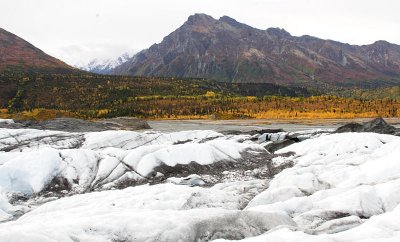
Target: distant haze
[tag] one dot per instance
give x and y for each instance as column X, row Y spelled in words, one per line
column 77, row 31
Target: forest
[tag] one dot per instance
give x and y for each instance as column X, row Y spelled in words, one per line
column 85, row 95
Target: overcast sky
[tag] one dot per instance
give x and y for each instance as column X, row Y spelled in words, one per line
column 77, row 31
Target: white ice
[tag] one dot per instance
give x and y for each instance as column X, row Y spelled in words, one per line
column 32, row 159
column 342, row 187
column 338, row 182
column 6, row 121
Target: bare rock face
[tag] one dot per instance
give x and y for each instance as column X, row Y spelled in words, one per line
column 377, row 125
column 226, row 50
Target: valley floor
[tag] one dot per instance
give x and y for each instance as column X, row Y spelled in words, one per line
column 199, row 185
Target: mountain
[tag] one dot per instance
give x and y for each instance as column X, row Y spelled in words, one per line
column 226, row 50
column 18, row 53
column 104, row 66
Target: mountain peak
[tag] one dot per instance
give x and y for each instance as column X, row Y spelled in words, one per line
column 278, row 32
column 382, row 43
column 200, row 18
column 231, row 21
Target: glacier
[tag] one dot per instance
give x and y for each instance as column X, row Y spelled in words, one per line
column 198, row 185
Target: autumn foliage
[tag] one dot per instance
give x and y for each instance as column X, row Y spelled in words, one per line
column 87, row 95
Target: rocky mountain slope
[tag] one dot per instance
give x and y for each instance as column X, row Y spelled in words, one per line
column 226, row 50
column 17, row 53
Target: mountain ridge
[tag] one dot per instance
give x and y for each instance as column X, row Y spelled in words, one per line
column 17, row 53
column 226, row 50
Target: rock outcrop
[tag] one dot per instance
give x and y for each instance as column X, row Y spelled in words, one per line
column 378, row 125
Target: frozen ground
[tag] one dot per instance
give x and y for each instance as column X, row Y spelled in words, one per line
column 198, row 186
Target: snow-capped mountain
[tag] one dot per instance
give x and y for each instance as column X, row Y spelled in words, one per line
column 104, row 66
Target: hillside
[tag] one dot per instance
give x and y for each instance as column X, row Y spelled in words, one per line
column 19, row 54
column 228, row 51
column 23, row 91
column 46, row 95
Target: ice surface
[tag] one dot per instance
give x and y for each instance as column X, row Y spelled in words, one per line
column 338, row 181
column 51, row 163
column 6, row 121
column 104, row 156
column 68, row 187
column 33, row 139
column 164, row 212
column 379, row 228
column 30, row 172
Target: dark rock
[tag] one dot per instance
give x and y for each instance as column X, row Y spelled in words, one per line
column 127, row 123
column 268, row 131
column 57, row 187
column 233, row 132
column 248, row 161
column 272, row 147
column 350, row 127
column 182, row 142
column 252, row 132
column 377, row 125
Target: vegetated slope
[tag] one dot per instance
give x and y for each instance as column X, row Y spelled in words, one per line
column 98, row 96
column 19, row 54
column 22, row 91
column 229, row 51
column 380, row 93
